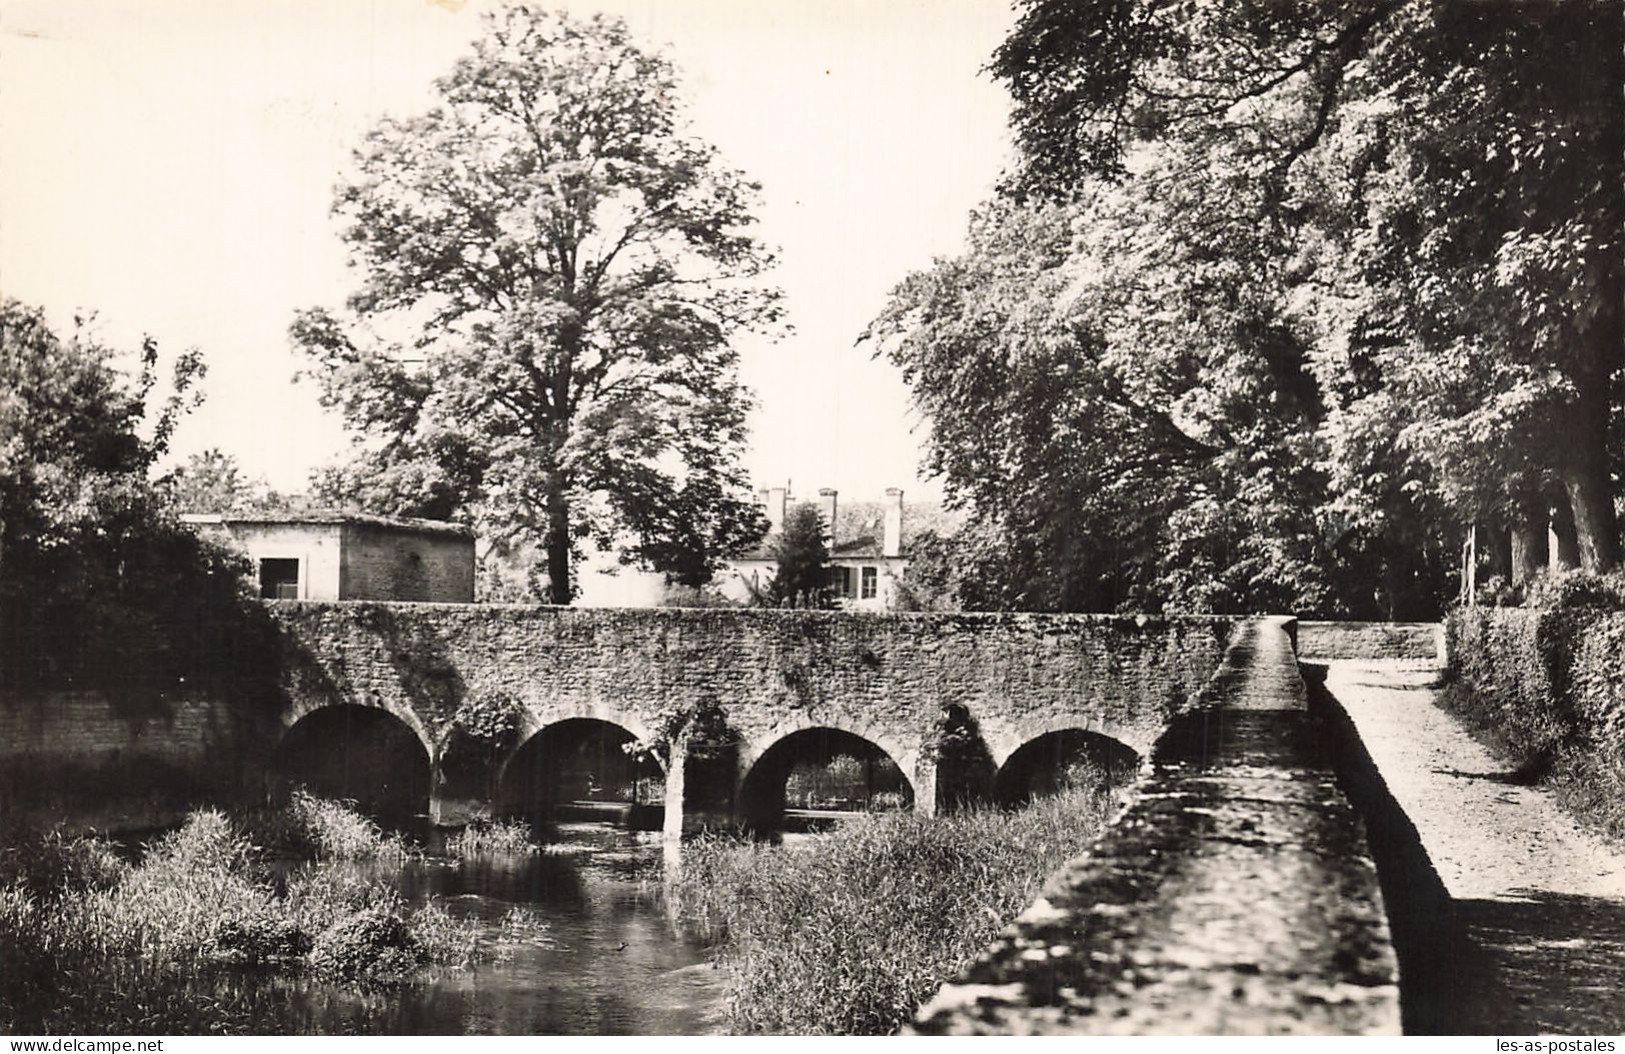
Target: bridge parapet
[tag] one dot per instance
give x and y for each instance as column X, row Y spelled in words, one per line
column 886, row 678
column 1235, row 895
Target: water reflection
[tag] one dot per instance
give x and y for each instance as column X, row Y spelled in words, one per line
column 609, row 961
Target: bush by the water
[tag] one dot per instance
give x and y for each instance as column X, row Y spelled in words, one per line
column 312, row 828
column 485, row 837
column 849, row 932
column 89, row 943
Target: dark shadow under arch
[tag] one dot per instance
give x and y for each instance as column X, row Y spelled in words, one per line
column 360, row 754
column 1064, row 758
column 821, row 770
column 579, row 761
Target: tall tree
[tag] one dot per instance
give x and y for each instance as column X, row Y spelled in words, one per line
column 1094, row 412
column 1444, row 175
column 553, row 272
column 99, row 582
column 801, row 550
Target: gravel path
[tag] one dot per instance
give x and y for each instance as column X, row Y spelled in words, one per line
column 1507, row 917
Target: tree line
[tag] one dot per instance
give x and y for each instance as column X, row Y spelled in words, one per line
column 1277, row 300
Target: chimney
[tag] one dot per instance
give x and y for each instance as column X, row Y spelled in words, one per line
column 826, row 509
column 775, row 498
column 893, row 536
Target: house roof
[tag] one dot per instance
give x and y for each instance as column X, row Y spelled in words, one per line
column 860, row 529
column 328, row 517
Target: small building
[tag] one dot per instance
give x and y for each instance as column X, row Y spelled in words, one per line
column 869, row 546
column 351, row 556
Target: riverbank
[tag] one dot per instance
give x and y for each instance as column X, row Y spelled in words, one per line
column 93, row 942
column 849, row 931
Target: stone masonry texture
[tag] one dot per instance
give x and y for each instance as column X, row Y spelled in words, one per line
column 1234, row 896
column 1331, row 641
column 883, row 677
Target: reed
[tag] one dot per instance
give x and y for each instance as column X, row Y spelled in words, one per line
column 847, row 933
column 89, row 943
column 491, row 838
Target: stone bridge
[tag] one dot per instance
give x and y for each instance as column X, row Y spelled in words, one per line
column 932, row 691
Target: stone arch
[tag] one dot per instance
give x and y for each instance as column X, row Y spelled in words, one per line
column 1005, row 741
column 374, row 756
column 904, row 750
column 768, row 765
column 1041, row 764
column 304, row 707
column 578, row 755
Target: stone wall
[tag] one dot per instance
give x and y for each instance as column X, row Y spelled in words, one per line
column 94, row 760
column 885, row 678
column 1235, row 895
column 1335, row 641
column 401, row 564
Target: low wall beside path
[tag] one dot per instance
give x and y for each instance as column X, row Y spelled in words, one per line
column 1357, row 641
column 1235, row 894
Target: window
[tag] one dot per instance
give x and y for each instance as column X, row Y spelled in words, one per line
column 279, row 579
column 871, row 582
column 840, row 581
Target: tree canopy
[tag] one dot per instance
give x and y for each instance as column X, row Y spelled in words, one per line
column 99, row 581
column 1277, row 297
column 801, row 578
column 553, row 272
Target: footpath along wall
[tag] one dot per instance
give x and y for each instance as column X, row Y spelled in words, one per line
column 1235, row 895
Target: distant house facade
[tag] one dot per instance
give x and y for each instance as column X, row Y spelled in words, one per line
column 351, row 556
column 869, row 547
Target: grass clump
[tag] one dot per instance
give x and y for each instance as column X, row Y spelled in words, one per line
column 485, row 837
column 312, row 828
column 849, row 932
column 89, row 943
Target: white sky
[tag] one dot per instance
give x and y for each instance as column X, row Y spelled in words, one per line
column 170, row 163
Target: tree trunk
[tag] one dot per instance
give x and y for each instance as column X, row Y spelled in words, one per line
column 558, row 545
column 1568, row 545
column 1529, row 547
column 1594, row 524
column 1585, row 469
column 1498, row 547
column 1598, row 340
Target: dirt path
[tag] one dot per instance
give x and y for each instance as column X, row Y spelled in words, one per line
column 1507, row 917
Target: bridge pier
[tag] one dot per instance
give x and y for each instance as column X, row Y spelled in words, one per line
column 676, row 772
column 924, row 779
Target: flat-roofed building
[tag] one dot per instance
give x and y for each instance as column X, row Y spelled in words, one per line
column 351, row 556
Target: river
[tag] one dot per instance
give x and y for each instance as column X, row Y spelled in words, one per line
column 607, row 961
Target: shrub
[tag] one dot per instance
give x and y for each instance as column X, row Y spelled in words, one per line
column 849, row 932
column 88, row 943
column 1571, row 589
column 1545, row 688
column 490, row 837
column 312, row 828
